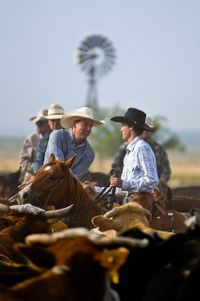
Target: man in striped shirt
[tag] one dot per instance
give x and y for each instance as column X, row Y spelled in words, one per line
column 139, row 175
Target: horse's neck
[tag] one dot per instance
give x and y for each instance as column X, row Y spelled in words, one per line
column 73, row 190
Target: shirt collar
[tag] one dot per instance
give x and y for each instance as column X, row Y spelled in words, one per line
column 132, row 144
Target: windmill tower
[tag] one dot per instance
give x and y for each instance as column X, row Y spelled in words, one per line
column 96, row 56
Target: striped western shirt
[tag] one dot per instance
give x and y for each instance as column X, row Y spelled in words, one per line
column 139, row 171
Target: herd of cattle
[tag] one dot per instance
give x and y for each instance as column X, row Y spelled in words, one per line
column 120, row 257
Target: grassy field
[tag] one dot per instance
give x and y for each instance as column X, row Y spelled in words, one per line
column 185, row 165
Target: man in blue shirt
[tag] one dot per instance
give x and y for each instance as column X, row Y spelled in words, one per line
column 65, row 143
column 55, row 113
column 139, row 175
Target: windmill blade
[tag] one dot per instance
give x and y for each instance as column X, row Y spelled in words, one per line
column 96, row 52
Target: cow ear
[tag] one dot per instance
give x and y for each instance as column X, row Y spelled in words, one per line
column 70, row 161
column 38, row 256
column 51, row 158
column 112, row 260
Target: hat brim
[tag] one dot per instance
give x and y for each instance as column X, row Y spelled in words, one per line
column 32, row 118
column 150, row 129
column 68, row 120
column 54, row 116
column 36, row 119
column 123, row 119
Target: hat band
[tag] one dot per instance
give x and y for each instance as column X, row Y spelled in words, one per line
column 55, row 114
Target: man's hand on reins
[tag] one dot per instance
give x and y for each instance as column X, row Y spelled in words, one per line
column 115, row 182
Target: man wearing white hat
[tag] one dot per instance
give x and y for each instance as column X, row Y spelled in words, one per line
column 55, row 113
column 72, row 140
column 27, row 154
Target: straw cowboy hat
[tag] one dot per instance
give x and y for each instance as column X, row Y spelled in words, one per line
column 133, row 116
column 80, row 113
column 150, row 123
column 55, row 111
column 41, row 115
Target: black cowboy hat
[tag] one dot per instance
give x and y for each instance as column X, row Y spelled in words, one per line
column 133, row 117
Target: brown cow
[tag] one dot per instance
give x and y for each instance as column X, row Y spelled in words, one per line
column 9, row 184
column 23, row 225
column 77, row 268
column 20, row 221
column 125, row 217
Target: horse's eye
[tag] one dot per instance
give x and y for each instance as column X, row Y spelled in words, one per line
column 52, row 177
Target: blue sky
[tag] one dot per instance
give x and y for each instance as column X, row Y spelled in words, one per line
column 157, row 67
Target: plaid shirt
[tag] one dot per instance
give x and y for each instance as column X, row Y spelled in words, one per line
column 140, row 171
column 162, row 161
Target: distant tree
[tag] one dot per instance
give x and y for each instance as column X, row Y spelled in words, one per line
column 106, row 139
column 165, row 136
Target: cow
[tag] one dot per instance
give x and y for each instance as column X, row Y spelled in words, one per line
column 75, row 267
column 164, row 269
column 21, row 220
column 125, row 217
column 9, row 183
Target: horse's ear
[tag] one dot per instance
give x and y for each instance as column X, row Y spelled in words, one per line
column 51, row 158
column 70, row 161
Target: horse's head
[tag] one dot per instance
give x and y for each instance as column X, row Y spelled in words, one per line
column 48, row 184
column 55, row 185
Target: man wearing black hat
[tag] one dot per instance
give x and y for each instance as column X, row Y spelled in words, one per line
column 139, row 175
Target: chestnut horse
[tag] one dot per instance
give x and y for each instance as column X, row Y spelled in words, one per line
column 55, row 185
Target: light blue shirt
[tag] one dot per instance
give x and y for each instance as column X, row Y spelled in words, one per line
column 139, row 171
column 63, row 145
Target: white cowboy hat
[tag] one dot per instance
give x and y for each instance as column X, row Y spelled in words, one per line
column 41, row 115
column 84, row 112
column 55, row 111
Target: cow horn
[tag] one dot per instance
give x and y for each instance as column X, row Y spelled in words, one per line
column 57, row 213
column 27, row 209
column 13, row 199
column 53, row 237
column 95, row 238
column 126, row 242
column 39, row 238
column 30, row 209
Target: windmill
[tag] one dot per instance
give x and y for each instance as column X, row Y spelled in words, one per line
column 96, row 56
